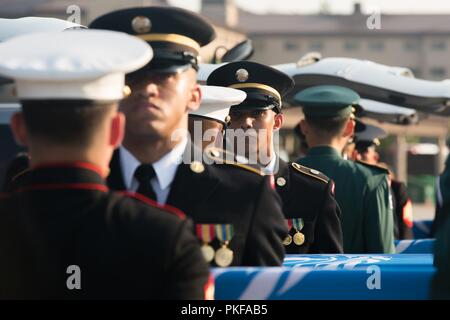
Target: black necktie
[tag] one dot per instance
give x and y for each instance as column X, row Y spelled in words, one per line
column 143, row 174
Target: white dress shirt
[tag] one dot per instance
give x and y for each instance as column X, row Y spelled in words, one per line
column 165, row 169
column 270, row 168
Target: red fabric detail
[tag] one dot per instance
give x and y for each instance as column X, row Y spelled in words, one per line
column 153, row 203
column 72, row 186
column 209, row 288
column 289, row 224
column 272, row 181
column 407, row 214
column 198, row 229
column 77, row 164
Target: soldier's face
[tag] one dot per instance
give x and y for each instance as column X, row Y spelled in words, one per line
column 370, row 156
column 159, row 103
column 263, row 122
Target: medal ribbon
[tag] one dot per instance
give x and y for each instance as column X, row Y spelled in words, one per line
column 298, row 223
column 205, row 232
column 224, row 232
column 289, row 223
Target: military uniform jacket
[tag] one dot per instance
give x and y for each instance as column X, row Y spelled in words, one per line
column 308, row 194
column 440, row 285
column 228, row 194
column 402, row 203
column 125, row 248
column 363, row 194
column 442, row 198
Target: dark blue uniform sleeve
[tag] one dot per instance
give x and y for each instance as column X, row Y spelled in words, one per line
column 267, row 231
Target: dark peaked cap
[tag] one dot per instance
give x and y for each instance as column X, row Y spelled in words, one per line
column 264, row 85
column 175, row 34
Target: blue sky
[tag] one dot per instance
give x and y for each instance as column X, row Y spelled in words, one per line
column 336, row 6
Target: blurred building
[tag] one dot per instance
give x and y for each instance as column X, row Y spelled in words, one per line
column 419, row 42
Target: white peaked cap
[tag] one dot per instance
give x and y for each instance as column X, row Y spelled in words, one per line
column 216, row 102
column 75, row 64
column 15, row 27
column 205, row 69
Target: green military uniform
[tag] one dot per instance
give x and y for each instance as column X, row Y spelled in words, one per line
column 362, row 190
column 442, row 196
column 440, row 288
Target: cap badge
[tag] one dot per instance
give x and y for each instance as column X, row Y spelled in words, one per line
column 241, row 75
column 141, row 24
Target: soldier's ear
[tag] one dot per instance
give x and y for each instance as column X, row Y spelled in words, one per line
column 304, row 127
column 279, row 120
column 19, row 129
column 195, row 98
column 349, row 129
column 117, row 129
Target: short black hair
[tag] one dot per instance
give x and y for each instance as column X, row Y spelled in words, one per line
column 327, row 126
column 65, row 121
column 363, row 146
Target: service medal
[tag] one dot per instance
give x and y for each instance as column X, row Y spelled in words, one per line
column 299, row 238
column 208, row 252
column 288, row 240
column 205, row 232
column 224, row 257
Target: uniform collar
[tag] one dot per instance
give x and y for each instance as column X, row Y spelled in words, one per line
column 70, row 175
column 165, row 168
column 270, row 168
column 323, row 151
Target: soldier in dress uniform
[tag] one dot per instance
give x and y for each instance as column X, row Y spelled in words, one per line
column 310, row 209
column 362, row 190
column 12, row 163
column 208, row 123
column 77, row 238
column 236, row 211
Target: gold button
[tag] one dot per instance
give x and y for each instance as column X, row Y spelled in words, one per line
column 197, row 167
column 126, row 91
column 281, row 181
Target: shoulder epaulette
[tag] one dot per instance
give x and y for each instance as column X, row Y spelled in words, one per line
column 373, row 166
column 221, row 156
column 310, row 172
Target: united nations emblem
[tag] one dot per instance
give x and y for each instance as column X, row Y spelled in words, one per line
column 141, row 24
